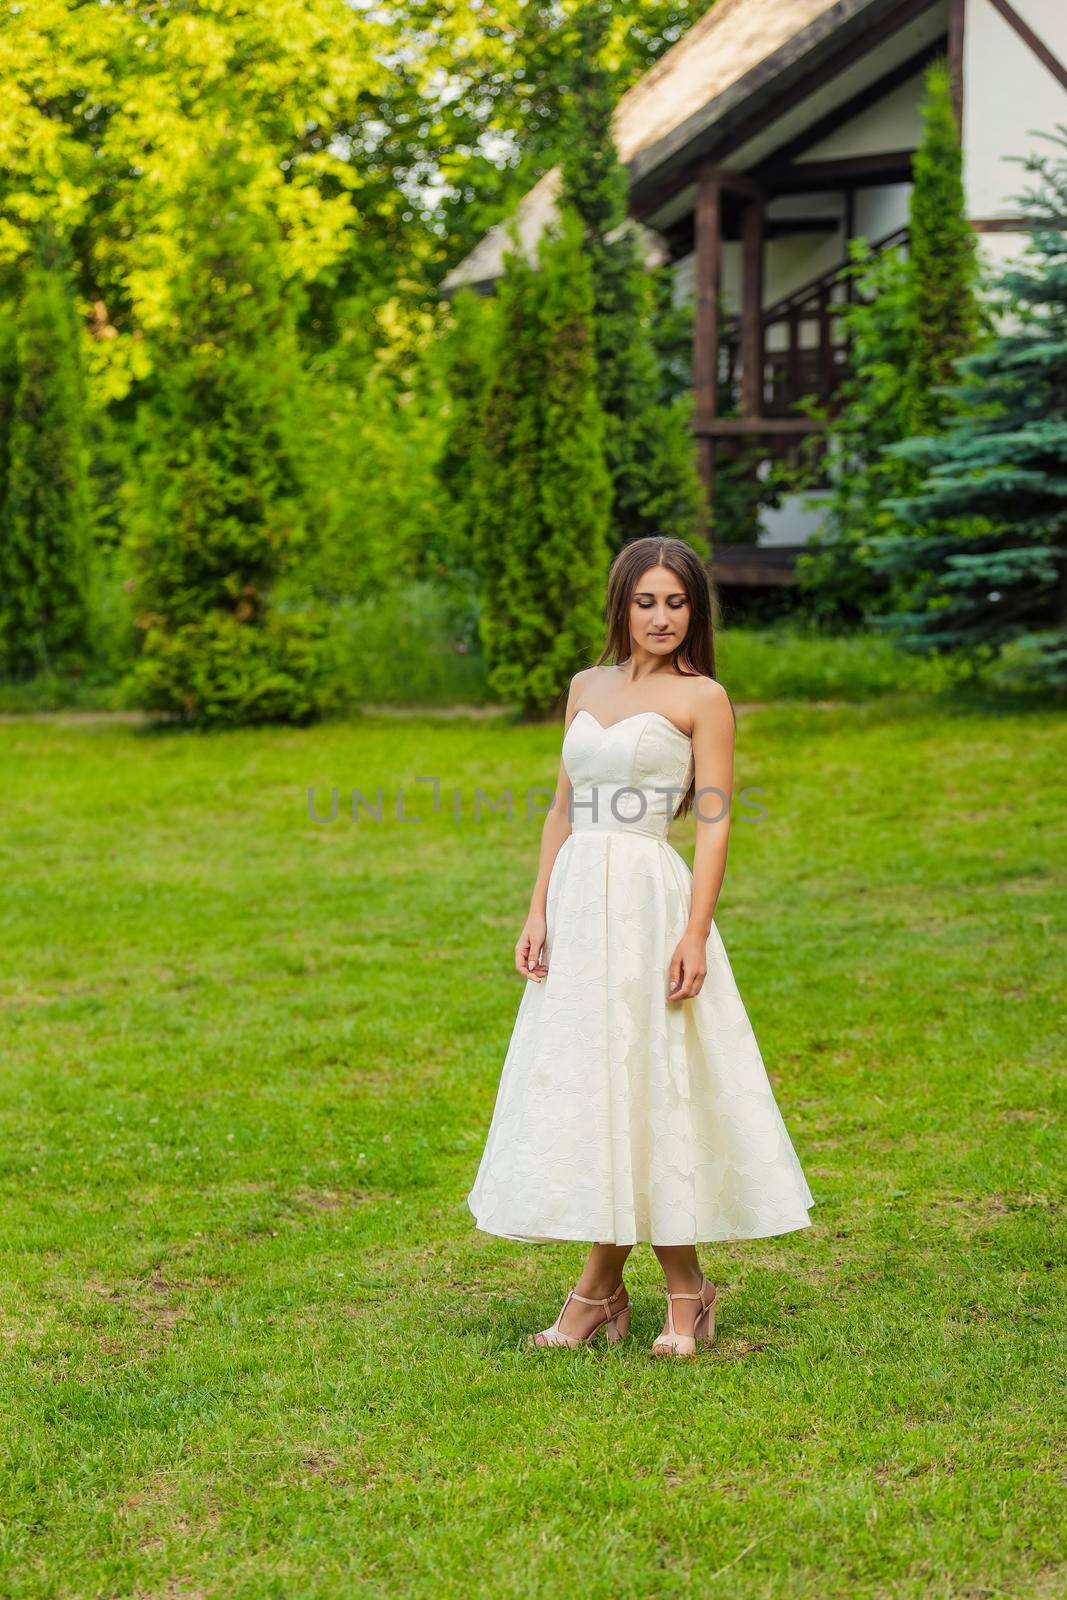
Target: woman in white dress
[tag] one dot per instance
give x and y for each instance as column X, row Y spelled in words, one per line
column 633, row 1102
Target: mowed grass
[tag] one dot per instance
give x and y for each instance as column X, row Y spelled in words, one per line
column 254, row 1346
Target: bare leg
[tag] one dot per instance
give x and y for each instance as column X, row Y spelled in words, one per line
column 600, row 1277
column 684, row 1276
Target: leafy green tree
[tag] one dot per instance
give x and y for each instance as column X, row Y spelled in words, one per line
column 46, row 516
column 505, row 89
column 110, row 106
column 648, row 443
column 985, row 567
column 543, row 492
column 387, row 140
column 220, row 505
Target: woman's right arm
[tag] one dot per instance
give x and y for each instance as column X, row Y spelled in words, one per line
column 556, row 827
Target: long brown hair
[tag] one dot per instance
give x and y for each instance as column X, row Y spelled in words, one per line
column 695, row 656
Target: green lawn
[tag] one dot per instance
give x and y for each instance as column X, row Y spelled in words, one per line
column 253, row 1345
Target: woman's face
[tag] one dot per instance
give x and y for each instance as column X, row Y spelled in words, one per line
column 659, row 612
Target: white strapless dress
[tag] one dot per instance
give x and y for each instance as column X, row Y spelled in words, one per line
column 622, row 1116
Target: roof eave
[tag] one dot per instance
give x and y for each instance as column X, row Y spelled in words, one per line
column 723, row 125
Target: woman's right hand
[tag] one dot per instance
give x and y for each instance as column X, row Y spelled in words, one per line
column 530, row 948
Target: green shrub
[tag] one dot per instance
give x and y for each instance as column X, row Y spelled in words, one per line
column 798, row 661
column 221, row 672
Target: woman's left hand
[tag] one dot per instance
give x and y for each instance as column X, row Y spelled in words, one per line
column 689, row 965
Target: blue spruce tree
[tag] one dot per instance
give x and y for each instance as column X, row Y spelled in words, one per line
column 987, row 564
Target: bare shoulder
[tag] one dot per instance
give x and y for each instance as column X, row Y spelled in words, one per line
column 581, row 681
column 710, row 705
column 585, row 675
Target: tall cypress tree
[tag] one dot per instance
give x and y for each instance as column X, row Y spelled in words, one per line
column 461, row 363
column 834, row 570
column 648, row 443
column 943, row 264
column 986, row 565
column 45, row 524
column 9, row 382
column 542, row 495
column 220, row 505
column 912, row 318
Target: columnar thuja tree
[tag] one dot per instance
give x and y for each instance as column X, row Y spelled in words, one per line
column 914, row 315
column 458, row 365
column 543, row 496
column 220, row 502
column 985, row 566
column 943, row 322
column 45, row 516
column 875, row 407
column 648, row 444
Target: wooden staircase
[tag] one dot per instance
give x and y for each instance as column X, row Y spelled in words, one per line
column 805, row 353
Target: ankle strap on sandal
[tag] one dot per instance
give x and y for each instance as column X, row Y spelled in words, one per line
column 707, row 1284
column 584, row 1298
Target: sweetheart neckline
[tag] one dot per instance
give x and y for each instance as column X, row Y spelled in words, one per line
column 607, row 727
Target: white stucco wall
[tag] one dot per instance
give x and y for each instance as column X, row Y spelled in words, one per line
column 893, row 124
column 1008, row 97
column 793, row 522
column 881, row 211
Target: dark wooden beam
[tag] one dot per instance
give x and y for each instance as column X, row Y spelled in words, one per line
column 956, row 9
column 752, row 309
column 811, row 177
column 857, row 103
column 737, row 185
column 708, row 287
column 740, row 427
column 1029, row 37
column 733, row 182
column 784, row 227
column 754, row 565
column 1000, row 224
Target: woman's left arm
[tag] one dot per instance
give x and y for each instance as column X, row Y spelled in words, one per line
column 713, row 761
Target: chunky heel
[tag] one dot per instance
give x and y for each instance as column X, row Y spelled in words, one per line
column 615, row 1323
column 619, row 1326
column 706, row 1334
column 674, row 1343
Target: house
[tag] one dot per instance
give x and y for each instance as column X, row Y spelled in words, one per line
column 760, row 144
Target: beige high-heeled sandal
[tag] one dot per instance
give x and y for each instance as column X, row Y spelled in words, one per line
column 614, row 1324
column 685, row 1344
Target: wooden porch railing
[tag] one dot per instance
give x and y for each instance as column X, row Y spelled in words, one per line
column 804, row 349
